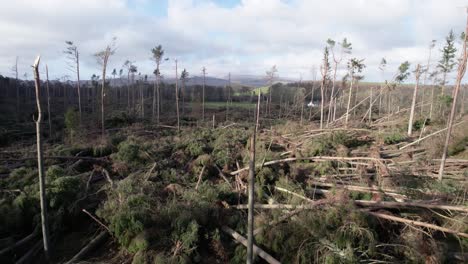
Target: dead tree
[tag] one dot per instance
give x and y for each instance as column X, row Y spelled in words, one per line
column 271, row 74
column 177, row 96
column 413, row 104
column 15, row 71
column 74, row 57
column 49, row 117
column 461, row 73
column 203, row 93
column 312, row 88
column 324, row 69
column 346, row 49
column 251, row 189
column 228, row 101
column 40, row 162
column 102, row 59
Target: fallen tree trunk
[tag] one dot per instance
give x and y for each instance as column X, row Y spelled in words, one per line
column 26, row 258
column 316, row 158
column 396, row 205
column 430, row 135
column 417, row 223
column 90, row 247
column 60, row 158
column 256, row 250
column 21, row 242
column 411, row 204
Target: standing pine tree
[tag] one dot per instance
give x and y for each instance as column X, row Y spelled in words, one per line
column 447, row 62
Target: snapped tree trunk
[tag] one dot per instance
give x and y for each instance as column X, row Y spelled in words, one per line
column 177, row 98
column 349, row 101
column 40, row 163
column 78, row 83
column 461, row 73
column 413, row 104
column 251, row 190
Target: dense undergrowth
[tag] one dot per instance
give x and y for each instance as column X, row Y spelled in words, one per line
column 159, row 211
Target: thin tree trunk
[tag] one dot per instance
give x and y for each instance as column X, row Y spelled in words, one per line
column 49, row 117
column 322, row 94
column 251, row 190
column 177, row 97
column 153, row 112
column 78, row 84
column 370, row 106
column 128, row 90
column 330, row 105
column 203, row 95
column 17, row 90
column 349, row 101
column 461, row 73
column 413, row 104
column 158, row 106
column 40, row 164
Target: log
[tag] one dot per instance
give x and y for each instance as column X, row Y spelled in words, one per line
column 317, row 191
column 397, row 205
column 26, row 258
column 430, row 135
column 417, row 223
column 388, row 192
column 316, row 158
column 256, row 250
column 60, row 158
column 89, row 248
column 21, row 242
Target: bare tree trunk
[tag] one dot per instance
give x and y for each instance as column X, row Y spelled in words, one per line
column 322, row 94
column 15, row 69
column 153, row 112
column 203, row 94
column 158, row 106
column 78, row 83
column 349, row 101
column 40, row 163
column 370, row 106
column 461, row 73
column 142, row 99
column 49, row 117
column 330, row 105
column 413, row 104
column 251, row 190
column 128, row 90
column 177, row 97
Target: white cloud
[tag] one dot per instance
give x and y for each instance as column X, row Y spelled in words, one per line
column 247, row 38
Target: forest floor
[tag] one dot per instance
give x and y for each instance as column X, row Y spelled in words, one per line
column 148, row 194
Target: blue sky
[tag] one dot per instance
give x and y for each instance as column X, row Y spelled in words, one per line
column 237, row 36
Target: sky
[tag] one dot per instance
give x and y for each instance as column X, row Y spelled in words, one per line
column 244, row 37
